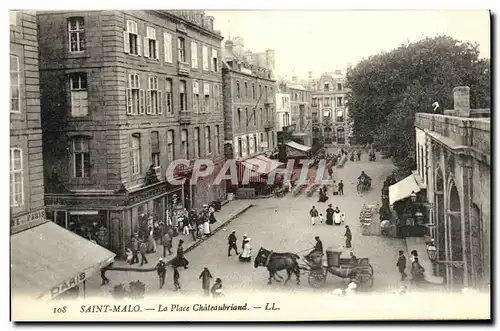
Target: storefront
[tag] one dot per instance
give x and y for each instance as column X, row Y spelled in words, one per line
column 49, row 262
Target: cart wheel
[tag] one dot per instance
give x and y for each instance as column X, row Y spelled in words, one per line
column 317, row 279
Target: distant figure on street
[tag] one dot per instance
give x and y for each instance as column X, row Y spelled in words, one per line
column 206, row 227
column 246, row 255
column 417, row 272
column 314, row 215
column 143, row 248
column 243, row 241
column 217, row 288
column 341, row 188
column 321, row 219
column 401, row 264
column 177, row 285
column 335, row 188
column 359, row 155
column 192, row 229
column 161, row 269
column 166, row 241
column 180, row 260
column 348, row 237
column 336, row 216
column 205, row 277
column 135, row 248
column 231, row 241
column 329, row 215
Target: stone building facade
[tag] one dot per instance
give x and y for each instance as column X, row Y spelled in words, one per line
column 300, row 99
column 26, row 158
column 329, row 110
column 454, row 159
column 124, row 94
column 249, row 107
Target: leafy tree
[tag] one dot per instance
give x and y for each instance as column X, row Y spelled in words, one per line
column 389, row 88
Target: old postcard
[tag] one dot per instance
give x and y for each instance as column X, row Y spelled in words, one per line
column 188, row 165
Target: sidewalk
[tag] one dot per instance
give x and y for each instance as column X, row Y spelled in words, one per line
column 418, row 244
column 228, row 212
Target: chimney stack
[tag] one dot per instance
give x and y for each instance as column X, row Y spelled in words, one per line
column 461, row 101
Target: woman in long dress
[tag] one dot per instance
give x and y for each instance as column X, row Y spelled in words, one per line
column 337, row 216
column 206, row 227
column 246, row 255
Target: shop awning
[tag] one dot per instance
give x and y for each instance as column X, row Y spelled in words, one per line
column 47, row 260
column 402, row 189
column 253, row 170
column 297, row 146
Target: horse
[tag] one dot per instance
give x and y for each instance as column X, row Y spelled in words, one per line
column 278, row 261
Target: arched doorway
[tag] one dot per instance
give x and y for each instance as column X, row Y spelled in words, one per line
column 440, row 233
column 455, row 239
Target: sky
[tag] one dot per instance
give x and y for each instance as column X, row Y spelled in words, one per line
column 327, row 40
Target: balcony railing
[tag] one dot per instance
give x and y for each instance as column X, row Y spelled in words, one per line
column 183, row 69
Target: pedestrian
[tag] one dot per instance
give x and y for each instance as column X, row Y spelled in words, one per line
column 243, row 241
column 321, row 219
column 185, row 229
column 314, row 215
column 217, row 288
column 200, row 229
column 336, row 216
column 206, row 227
column 348, row 237
column 211, row 215
column 177, row 285
column 143, row 248
column 166, row 241
column 246, row 255
column 341, row 188
column 335, row 188
column 180, row 260
column 205, row 280
column 192, row 229
column 161, row 269
column 401, row 264
column 329, row 215
column 417, row 272
column 232, row 243
column 151, row 240
column 129, row 256
column 135, row 248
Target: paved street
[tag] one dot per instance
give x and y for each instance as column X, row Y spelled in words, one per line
column 283, row 225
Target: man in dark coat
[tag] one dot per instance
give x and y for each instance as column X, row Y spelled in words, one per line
column 318, row 248
column 143, row 248
column 329, row 215
column 205, row 280
column 180, row 259
column 135, row 248
column 232, row 243
column 348, row 237
column 243, row 242
column 401, row 264
column 341, row 188
column 161, row 269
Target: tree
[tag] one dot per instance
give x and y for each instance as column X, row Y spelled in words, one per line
column 389, row 88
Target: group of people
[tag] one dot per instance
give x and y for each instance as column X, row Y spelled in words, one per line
column 337, row 189
column 417, row 271
column 246, row 248
column 333, row 216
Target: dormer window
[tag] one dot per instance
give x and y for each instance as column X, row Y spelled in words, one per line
column 327, row 86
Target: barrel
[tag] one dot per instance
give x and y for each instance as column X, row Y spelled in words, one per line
column 332, row 257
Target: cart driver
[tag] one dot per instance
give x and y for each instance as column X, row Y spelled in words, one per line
column 364, row 177
column 317, row 250
column 353, row 259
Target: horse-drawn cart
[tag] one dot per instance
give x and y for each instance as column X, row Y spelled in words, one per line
column 358, row 270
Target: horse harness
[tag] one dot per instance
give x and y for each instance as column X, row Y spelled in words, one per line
column 268, row 258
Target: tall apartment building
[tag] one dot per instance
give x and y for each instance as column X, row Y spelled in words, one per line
column 42, row 253
column 124, row 94
column 283, row 108
column 249, row 107
column 329, row 110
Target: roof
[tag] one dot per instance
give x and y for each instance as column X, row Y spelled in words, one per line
column 47, row 260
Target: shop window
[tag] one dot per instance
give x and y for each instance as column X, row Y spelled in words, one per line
column 90, row 224
column 16, row 177
column 135, row 153
column 81, row 157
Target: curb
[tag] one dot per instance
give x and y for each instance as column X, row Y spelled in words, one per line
column 196, row 244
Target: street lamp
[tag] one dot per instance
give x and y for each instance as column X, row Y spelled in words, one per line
column 413, row 196
column 419, row 217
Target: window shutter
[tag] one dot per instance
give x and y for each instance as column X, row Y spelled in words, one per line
column 129, row 101
column 206, row 88
column 139, row 45
column 194, row 55
column 148, row 102
column 167, row 47
column 141, row 102
column 214, row 56
column 160, row 103
column 205, row 57
column 126, row 42
column 146, row 47
column 157, row 49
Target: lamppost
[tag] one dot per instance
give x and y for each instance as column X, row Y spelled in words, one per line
column 413, row 196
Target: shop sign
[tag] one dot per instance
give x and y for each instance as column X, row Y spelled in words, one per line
column 143, row 195
column 67, row 284
column 33, row 217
